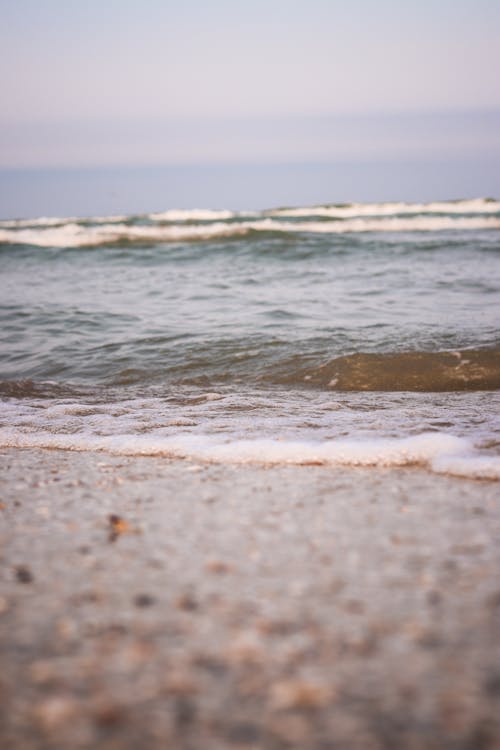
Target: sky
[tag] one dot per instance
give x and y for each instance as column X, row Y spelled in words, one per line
column 123, row 82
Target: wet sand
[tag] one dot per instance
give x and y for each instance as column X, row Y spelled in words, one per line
column 148, row 603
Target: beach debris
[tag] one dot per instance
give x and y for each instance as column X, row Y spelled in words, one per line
column 23, row 574
column 118, row 526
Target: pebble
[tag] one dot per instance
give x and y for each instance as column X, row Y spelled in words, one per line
column 217, row 566
column 144, row 600
column 23, row 574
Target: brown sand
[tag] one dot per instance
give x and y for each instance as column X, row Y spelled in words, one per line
column 148, row 603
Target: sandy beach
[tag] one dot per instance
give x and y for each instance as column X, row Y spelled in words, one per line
column 154, row 603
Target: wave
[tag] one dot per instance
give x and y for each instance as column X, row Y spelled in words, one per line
column 351, row 210
column 467, row 370
column 198, row 214
column 439, row 452
column 76, row 235
column 27, row 388
column 475, row 206
column 55, row 221
column 73, row 234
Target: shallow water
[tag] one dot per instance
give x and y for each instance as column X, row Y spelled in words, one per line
column 361, row 333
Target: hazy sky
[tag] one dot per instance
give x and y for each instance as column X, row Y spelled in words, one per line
column 106, row 81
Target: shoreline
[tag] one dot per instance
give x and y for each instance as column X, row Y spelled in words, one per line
column 166, row 603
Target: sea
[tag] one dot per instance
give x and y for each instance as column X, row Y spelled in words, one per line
column 359, row 334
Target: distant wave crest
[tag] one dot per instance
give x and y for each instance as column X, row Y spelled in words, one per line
column 205, row 224
column 191, row 225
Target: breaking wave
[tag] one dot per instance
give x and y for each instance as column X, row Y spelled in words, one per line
column 188, row 225
column 475, row 206
column 77, row 235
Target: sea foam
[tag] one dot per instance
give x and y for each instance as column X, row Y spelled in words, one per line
column 351, row 210
column 438, row 452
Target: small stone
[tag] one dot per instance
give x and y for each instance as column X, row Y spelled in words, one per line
column 492, row 684
column 23, row 574
column 217, row 566
column 429, row 638
column 244, row 733
column 181, row 682
column 144, row 600
column 109, row 715
column 118, row 526
column 275, row 627
column 184, row 712
column 186, row 602
column 434, row 597
column 354, row 607
column 493, row 601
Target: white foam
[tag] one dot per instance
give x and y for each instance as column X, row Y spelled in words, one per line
column 478, row 206
column 194, row 214
column 394, row 224
column 475, row 206
column 77, row 235
column 42, row 221
column 55, row 221
column 106, row 219
column 469, row 466
column 441, row 453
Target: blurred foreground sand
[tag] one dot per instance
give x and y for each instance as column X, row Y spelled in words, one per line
column 148, row 603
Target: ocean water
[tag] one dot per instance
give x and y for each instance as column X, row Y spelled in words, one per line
column 356, row 334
